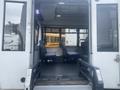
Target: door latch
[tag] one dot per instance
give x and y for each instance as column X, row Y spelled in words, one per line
column 117, row 59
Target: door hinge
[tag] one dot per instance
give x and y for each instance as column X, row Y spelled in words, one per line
column 117, row 59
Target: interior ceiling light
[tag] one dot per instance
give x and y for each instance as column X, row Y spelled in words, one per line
column 37, row 11
column 58, row 15
column 61, row 3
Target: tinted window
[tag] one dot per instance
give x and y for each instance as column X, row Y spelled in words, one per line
column 14, row 27
column 107, row 28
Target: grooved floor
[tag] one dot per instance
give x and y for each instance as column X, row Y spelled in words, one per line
column 61, row 74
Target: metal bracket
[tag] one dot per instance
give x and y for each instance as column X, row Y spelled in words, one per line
column 117, row 59
column 118, row 84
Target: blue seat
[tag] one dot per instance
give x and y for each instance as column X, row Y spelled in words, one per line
column 69, row 53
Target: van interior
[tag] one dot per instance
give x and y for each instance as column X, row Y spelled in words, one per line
column 61, row 38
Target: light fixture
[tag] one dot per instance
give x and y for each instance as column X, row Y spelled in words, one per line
column 61, row 3
column 58, row 15
column 37, row 11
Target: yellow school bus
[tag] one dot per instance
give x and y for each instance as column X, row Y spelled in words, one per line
column 53, row 40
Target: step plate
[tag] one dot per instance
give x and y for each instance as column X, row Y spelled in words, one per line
column 63, row 87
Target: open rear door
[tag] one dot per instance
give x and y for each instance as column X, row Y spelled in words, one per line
column 15, row 31
column 105, row 41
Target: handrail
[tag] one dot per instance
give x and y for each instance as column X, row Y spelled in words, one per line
column 35, row 75
column 92, row 74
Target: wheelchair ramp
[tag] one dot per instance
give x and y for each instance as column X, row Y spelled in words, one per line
column 63, row 87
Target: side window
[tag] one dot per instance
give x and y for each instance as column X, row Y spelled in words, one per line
column 107, row 27
column 70, row 37
column 83, row 36
column 14, row 32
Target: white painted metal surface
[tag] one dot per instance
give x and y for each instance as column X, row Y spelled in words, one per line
column 64, row 87
column 14, row 64
column 119, row 37
column 104, row 60
column 28, row 79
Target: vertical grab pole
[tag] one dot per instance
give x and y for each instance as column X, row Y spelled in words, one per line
column 78, row 37
column 60, row 33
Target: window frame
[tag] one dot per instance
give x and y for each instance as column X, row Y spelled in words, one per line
column 4, row 14
column 117, row 26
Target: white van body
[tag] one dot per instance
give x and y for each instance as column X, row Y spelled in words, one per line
column 15, row 65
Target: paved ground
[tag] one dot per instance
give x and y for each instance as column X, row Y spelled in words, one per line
column 23, row 89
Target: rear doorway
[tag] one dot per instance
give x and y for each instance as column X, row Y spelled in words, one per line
column 61, row 38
